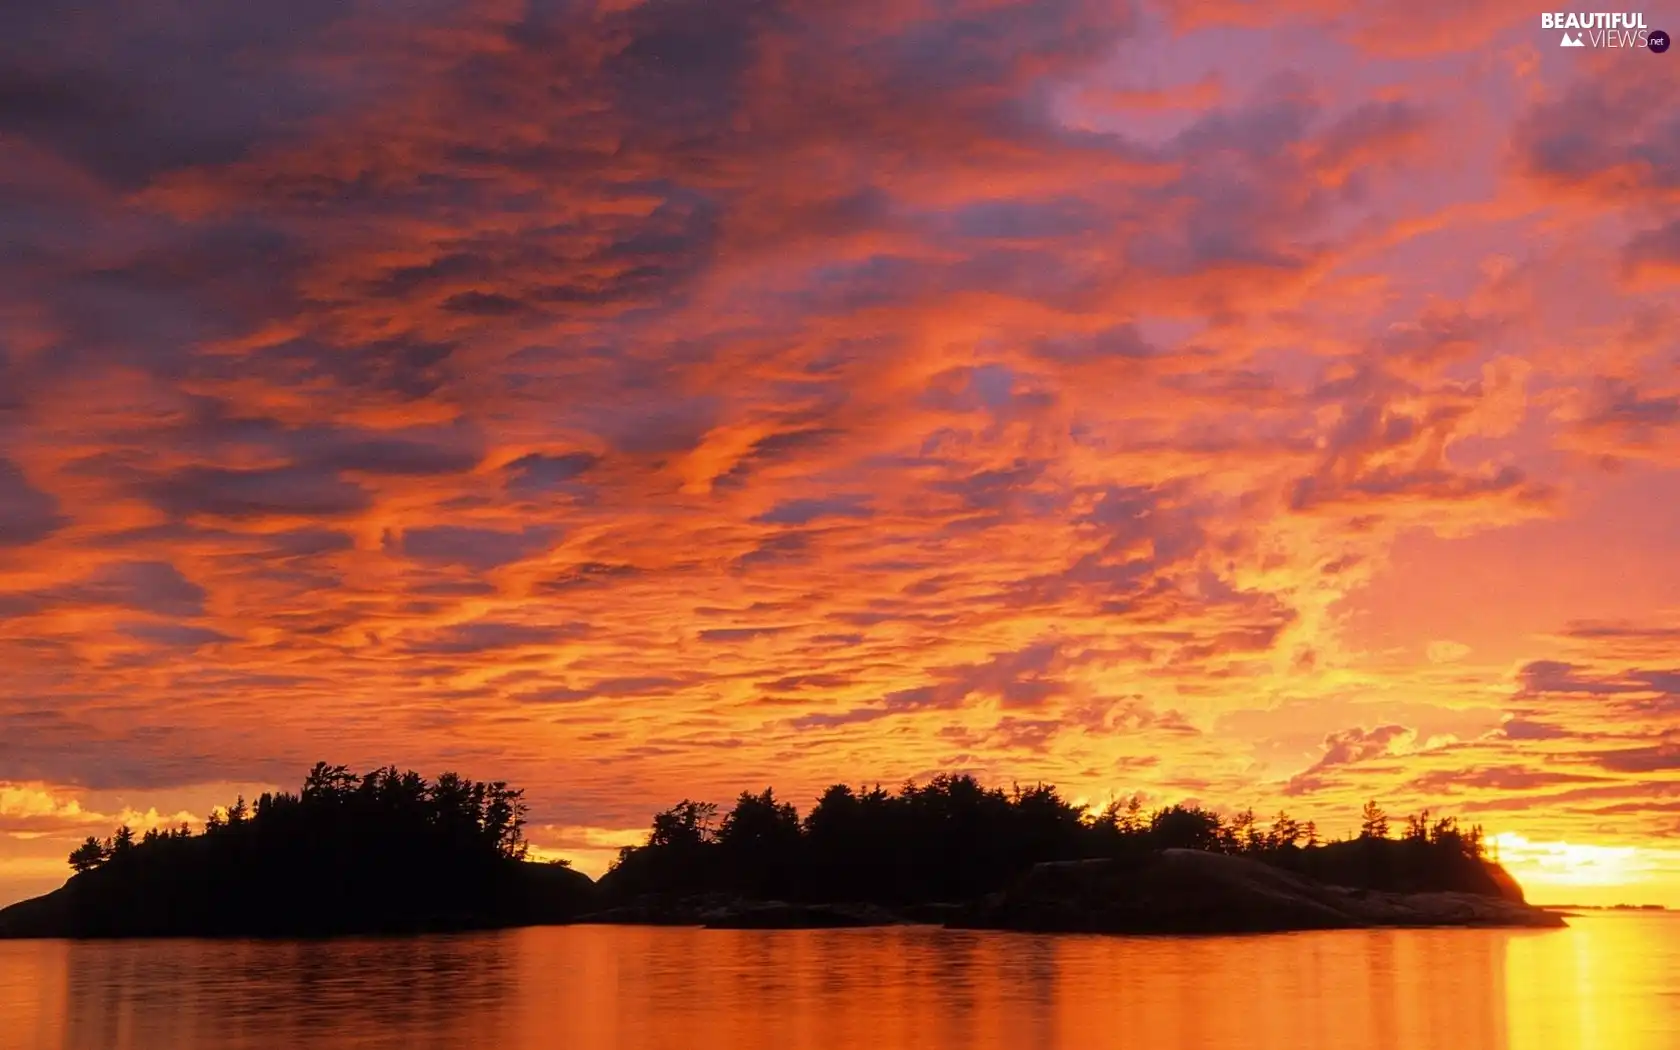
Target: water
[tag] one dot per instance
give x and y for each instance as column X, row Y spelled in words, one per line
column 1609, row 981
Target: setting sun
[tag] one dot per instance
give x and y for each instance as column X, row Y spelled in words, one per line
column 1566, row 873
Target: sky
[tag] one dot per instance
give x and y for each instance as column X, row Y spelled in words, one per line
column 1247, row 405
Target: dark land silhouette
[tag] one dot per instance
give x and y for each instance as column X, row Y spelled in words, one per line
column 956, row 852
column 383, row 852
column 393, row 852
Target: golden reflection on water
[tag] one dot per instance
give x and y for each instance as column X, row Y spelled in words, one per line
column 1611, row 981
column 1614, row 983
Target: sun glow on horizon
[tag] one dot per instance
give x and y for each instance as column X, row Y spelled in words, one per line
column 1580, row 873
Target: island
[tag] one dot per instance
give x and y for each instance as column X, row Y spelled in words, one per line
column 381, row 852
column 393, row 852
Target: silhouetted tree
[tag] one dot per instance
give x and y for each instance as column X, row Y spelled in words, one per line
column 88, row 856
column 684, row 825
column 1373, row 822
column 385, row 850
column 851, row 839
column 1286, row 833
column 1417, row 827
column 759, row 844
column 1132, row 819
column 1240, row 833
column 1181, row 827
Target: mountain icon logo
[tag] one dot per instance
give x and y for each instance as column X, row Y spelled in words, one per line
column 1571, row 41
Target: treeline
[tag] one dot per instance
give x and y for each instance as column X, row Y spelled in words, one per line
column 952, row 840
column 393, row 851
column 403, row 810
column 381, row 850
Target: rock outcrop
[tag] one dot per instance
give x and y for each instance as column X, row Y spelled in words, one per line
column 45, row 916
column 1191, row 891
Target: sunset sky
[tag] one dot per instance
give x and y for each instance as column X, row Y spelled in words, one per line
column 646, row 400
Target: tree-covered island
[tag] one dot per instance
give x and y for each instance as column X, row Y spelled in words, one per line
column 390, row 851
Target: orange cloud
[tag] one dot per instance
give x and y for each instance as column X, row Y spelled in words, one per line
column 644, row 401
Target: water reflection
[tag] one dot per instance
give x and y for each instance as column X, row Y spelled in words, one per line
column 1608, row 981
column 1616, row 983
column 413, row 993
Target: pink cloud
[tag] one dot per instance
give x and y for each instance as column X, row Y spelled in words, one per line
column 618, row 400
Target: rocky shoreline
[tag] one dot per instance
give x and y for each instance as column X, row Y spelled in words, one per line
column 1191, row 891
column 1175, row 891
column 1171, row 892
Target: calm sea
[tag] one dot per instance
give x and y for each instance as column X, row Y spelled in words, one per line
column 1610, row 982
